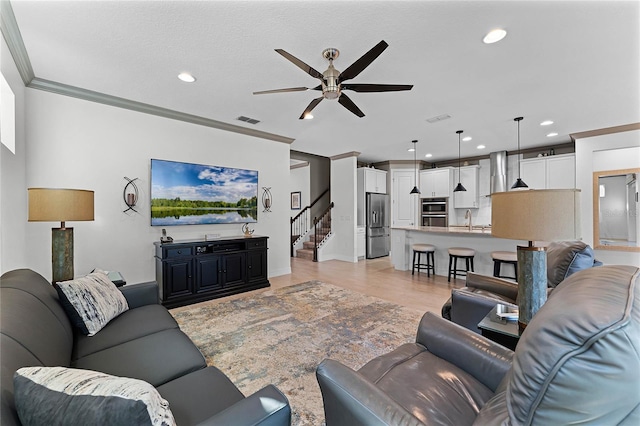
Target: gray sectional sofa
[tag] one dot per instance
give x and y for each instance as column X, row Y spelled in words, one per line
column 144, row 343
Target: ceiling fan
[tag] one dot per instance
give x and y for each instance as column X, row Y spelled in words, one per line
column 331, row 81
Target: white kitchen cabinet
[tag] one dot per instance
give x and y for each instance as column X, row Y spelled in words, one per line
column 360, row 241
column 553, row 172
column 466, row 199
column 368, row 180
column 374, row 180
column 404, row 206
column 436, row 182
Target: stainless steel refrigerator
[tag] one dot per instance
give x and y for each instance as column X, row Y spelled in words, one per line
column 377, row 226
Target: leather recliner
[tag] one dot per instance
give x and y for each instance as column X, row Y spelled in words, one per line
column 575, row 363
column 470, row 304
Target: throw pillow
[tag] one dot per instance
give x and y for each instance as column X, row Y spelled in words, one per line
column 565, row 258
column 91, row 301
column 59, row 395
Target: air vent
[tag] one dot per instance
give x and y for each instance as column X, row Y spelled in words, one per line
column 438, row 118
column 248, row 120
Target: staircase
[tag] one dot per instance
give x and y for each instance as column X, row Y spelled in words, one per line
column 306, row 252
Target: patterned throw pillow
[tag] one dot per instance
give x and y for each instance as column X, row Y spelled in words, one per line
column 91, row 301
column 59, row 395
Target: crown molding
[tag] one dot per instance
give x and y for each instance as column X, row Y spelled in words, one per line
column 102, row 98
column 345, row 155
column 299, row 165
column 13, row 38
column 605, row 131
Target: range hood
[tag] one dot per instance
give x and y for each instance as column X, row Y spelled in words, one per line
column 498, row 171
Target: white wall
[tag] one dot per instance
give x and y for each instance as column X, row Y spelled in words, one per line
column 342, row 245
column 598, row 153
column 79, row 144
column 299, row 180
column 13, row 195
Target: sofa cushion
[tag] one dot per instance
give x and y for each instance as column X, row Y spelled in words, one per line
column 197, row 396
column 91, row 301
column 565, row 258
column 129, row 325
column 57, row 395
column 170, row 355
column 410, row 373
column 578, row 360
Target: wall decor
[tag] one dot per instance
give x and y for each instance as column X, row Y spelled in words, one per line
column 197, row 194
column 267, row 199
column 130, row 194
column 295, row 200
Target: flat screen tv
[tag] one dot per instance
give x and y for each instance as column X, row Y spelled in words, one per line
column 196, row 194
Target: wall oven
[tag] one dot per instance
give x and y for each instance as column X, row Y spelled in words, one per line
column 435, row 212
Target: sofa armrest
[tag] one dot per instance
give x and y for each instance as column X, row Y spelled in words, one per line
column 351, row 400
column 141, row 294
column 267, row 407
column 468, row 308
column 496, row 285
column 485, row 360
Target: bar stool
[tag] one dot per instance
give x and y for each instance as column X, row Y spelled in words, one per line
column 500, row 257
column 419, row 250
column 463, row 253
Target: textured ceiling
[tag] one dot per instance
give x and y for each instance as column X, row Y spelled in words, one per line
column 573, row 62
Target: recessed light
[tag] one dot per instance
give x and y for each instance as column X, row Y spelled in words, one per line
column 428, row 155
column 466, row 139
column 411, row 149
column 186, row 77
column 494, row 36
column 552, row 134
column 481, row 147
column 546, row 123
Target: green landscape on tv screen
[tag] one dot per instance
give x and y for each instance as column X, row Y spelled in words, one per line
column 196, row 194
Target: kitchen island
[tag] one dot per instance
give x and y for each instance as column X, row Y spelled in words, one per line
column 478, row 238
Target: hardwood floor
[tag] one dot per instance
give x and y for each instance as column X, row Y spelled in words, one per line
column 374, row 277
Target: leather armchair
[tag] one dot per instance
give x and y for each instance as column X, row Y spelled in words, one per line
column 470, row 304
column 575, row 363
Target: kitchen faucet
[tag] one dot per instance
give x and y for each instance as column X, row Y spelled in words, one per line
column 467, row 215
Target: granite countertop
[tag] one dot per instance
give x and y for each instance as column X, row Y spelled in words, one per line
column 477, row 229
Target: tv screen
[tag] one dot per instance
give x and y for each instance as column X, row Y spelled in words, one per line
column 195, row 194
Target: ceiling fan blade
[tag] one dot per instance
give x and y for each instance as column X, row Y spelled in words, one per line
column 304, row 67
column 364, row 61
column 376, row 87
column 346, row 102
column 290, row 89
column 311, row 106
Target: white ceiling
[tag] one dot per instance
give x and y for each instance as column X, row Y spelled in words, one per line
column 573, row 62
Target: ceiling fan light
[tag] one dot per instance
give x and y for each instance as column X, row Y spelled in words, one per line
column 459, row 188
column 308, row 116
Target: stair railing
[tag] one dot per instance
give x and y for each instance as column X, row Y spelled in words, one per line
column 300, row 223
column 321, row 228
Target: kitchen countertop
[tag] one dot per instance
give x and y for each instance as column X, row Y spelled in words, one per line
column 477, row 229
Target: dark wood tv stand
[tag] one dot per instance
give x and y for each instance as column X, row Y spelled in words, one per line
column 193, row 271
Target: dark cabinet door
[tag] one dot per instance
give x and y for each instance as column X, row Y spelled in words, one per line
column 256, row 265
column 234, row 269
column 177, row 278
column 208, row 273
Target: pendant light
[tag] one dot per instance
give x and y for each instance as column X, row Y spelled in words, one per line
column 519, row 182
column 459, row 186
column 415, row 189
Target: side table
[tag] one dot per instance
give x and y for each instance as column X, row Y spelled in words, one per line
column 500, row 330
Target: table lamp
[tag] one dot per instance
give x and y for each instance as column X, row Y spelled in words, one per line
column 534, row 215
column 53, row 205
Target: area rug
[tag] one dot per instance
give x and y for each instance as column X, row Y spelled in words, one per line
column 280, row 336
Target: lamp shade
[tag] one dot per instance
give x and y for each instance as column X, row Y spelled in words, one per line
column 536, row 215
column 60, row 205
